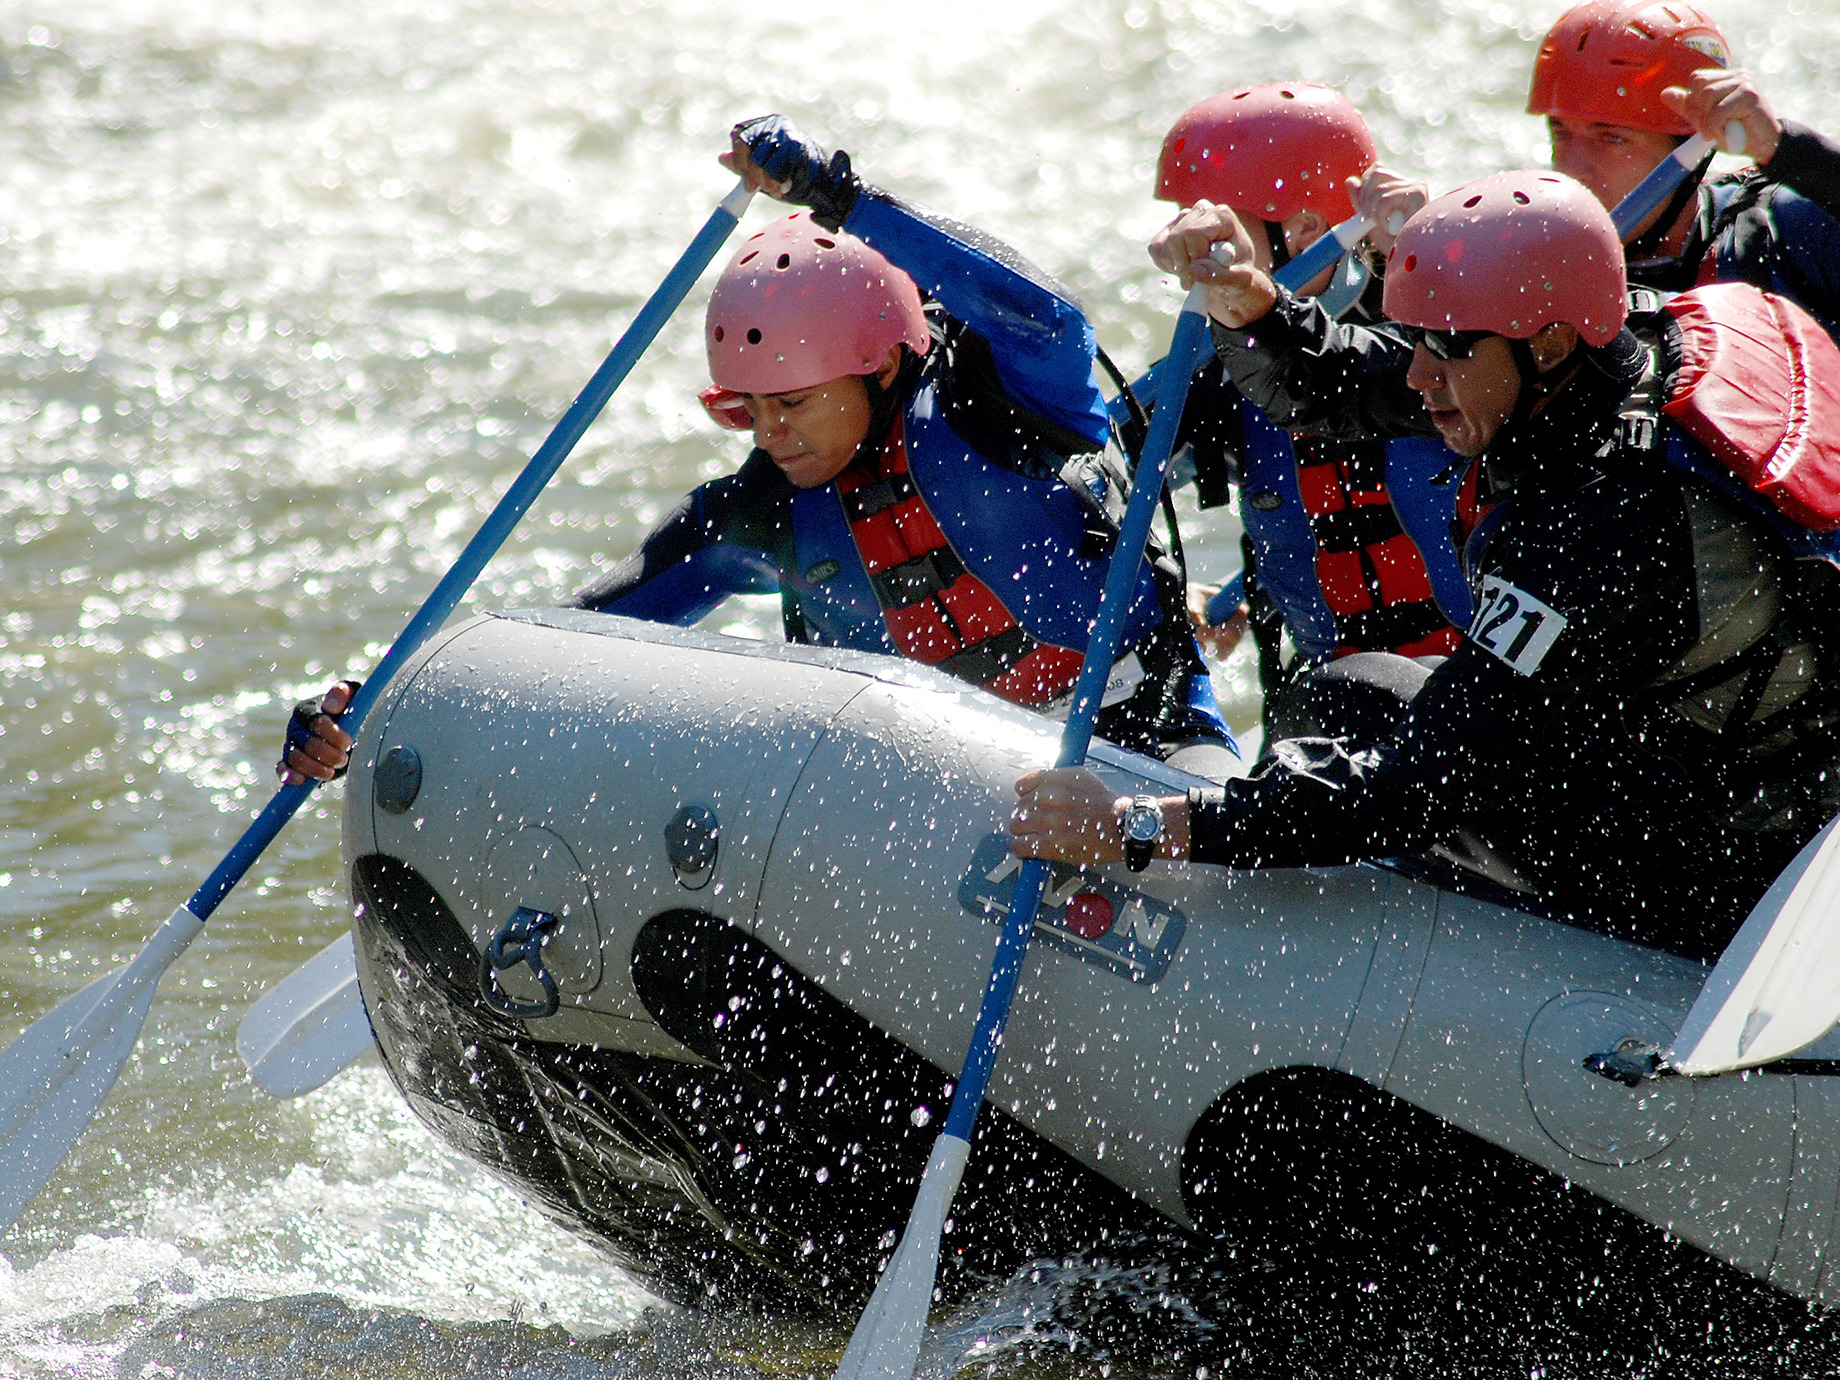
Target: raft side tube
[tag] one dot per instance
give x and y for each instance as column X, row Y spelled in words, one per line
column 552, row 764
column 858, row 797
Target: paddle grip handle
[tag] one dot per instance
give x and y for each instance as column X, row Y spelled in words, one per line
column 493, row 531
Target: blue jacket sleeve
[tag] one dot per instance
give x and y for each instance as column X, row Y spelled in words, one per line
column 1040, row 339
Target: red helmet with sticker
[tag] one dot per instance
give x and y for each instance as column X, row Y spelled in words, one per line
column 1510, row 254
column 800, row 305
column 1273, row 150
column 1608, row 61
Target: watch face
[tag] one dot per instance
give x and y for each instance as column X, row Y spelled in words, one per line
column 1142, row 824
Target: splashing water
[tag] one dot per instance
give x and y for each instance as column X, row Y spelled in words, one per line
column 290, row 292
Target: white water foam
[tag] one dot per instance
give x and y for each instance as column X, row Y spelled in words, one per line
column 383, row 1216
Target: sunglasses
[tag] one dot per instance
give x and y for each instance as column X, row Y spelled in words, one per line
column 1445, row 345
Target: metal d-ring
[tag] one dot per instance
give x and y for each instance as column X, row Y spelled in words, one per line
column 1632, row 1063
column 520, row 941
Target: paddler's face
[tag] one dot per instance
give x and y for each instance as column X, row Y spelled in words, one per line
column 1609, row 159
column 812, row 433
column 1468, row 399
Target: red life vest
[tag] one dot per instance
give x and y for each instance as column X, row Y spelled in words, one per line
column 1371, row 572
column 1759, row 387
column 937, row 611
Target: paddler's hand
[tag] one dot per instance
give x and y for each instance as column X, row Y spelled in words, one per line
column 1217, row 639
column 773, row 157
column 1712, row 97
column 316, row 746
column 1239, row 292
column 1389, row 200
column 1069, row 815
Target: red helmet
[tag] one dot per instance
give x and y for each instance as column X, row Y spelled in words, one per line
column 1510, row 254
column 1608, row 61
column 800, row 305
column 1273, row 150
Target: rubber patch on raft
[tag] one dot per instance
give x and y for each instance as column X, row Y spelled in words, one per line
column 1083, row 911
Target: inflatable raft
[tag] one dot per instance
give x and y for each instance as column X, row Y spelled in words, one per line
column 761, row 885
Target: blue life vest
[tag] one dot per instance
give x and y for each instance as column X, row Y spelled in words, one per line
column 1021, row 536
column 1287, row 547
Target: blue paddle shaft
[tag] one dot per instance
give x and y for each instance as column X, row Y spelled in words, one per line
column 1654, row 190
column 1226, row 600
column 1191, row 339
column 1322, row 254
column 492, row 533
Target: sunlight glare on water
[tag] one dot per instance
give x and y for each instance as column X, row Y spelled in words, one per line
column 290, row 292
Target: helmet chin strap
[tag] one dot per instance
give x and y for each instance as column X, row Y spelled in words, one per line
column 1537, row 385
column 1533, row 382
column 1280, row 249
column 885, row 402
column 1500, row 472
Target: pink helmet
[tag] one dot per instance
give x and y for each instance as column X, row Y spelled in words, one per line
column 1273, row 150
column 1609, row 60
column 1510, row 254
column 800, row 305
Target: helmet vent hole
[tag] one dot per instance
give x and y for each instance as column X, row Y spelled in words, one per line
column 1471, row 202
column 1288, row 95
column 1411, row 262
column 1523, row 198
column 822, row 244
column 748, row 257
column 720, row 333
column 753, row 335
column 784, row 261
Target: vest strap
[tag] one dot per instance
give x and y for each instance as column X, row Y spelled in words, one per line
column 937, row 611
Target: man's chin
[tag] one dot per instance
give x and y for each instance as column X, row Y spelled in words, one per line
column 1456, row 435
column 798, row 471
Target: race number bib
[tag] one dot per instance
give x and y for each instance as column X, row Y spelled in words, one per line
column 1514, row 625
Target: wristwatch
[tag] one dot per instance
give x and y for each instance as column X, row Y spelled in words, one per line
column 1142, row 826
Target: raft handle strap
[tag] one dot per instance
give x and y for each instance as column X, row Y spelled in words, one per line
column 520, row 941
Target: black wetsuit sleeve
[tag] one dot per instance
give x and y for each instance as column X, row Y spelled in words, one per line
column 1615, row 563
column 1312, row 374
column 748, row 511
column 1324, row 802
column 1808, row 162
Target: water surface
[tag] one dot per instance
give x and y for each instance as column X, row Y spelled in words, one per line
column 288, row 292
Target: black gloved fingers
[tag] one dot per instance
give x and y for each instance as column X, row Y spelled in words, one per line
column 807, row 175
column 306, row 730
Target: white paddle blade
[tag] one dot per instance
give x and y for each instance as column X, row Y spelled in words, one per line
column 56, row 1074
column 1777, row 987
column 886, row 1343
column 308, row 1027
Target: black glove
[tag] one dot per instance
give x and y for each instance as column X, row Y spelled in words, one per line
column 300, row 724
column 810, row 176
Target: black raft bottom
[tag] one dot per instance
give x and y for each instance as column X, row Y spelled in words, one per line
column 1344, row 1232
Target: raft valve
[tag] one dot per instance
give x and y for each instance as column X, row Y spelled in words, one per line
column 691, row 840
